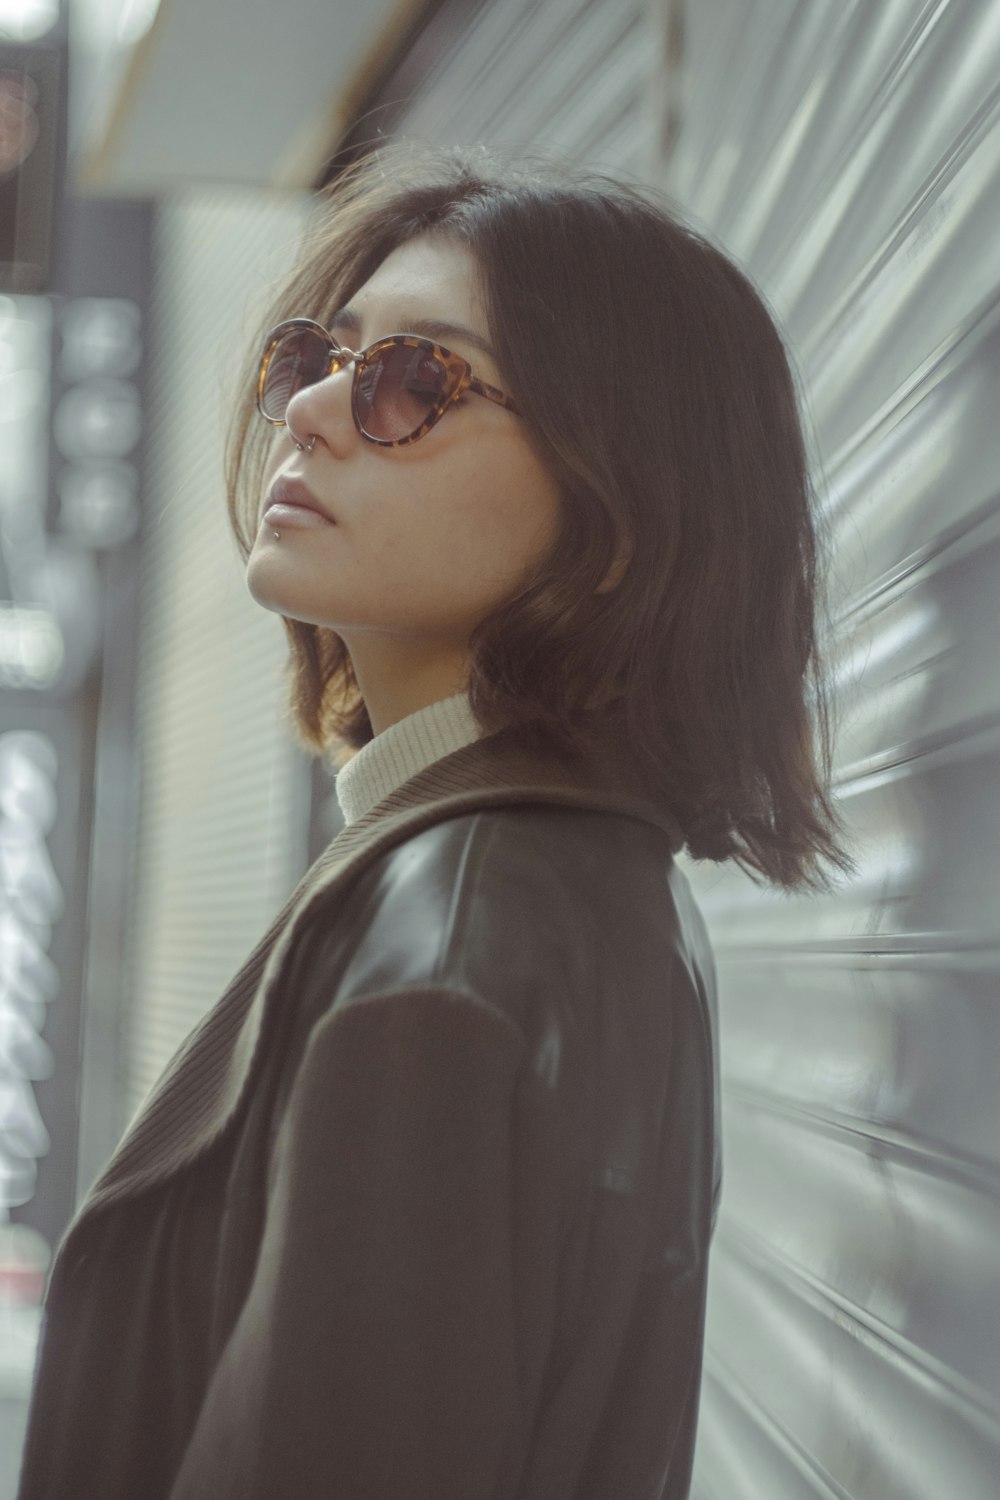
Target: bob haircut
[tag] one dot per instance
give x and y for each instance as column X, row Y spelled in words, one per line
column 656, row 386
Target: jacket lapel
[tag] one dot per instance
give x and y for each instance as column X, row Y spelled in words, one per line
column 200, row 1091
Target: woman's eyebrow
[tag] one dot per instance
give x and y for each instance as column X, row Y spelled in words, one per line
column 429, row 328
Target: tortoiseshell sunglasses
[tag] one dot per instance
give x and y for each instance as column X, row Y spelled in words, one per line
column 403, row 385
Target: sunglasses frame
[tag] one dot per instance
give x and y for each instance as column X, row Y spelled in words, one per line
column 460, row 376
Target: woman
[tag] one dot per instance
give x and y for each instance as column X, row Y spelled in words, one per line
column 423, row 1206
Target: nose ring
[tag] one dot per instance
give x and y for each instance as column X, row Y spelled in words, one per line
column 305, row 447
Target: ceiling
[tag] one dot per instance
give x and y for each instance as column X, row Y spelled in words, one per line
column 237, row 92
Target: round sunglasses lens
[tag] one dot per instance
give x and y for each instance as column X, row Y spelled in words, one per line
column 398, row 389
column 299, row 358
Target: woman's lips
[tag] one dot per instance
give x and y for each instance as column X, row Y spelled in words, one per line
column 291, row 495
column 294, row 515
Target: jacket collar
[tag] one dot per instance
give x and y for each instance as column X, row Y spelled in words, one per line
column 200, row 1092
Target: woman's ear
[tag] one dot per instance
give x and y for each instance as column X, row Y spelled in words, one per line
column 614, row 575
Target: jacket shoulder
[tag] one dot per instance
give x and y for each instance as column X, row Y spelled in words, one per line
column 580, row 928
column 557, row 916
column 505, row 899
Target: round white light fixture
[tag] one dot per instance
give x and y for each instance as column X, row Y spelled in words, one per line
column 24, row 20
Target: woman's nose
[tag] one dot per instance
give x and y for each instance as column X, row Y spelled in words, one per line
column 323, row 410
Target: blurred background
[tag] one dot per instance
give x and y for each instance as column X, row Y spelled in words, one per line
column 158, row 166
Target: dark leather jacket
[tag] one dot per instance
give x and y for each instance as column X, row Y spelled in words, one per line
column 571, row 927
column 447, row 1150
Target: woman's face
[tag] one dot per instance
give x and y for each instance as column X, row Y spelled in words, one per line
column 427, row 538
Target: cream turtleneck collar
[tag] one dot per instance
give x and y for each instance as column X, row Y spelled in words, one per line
column 402, row 750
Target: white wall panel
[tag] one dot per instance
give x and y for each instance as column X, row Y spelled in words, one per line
column 855, row 1305
column 223, row 822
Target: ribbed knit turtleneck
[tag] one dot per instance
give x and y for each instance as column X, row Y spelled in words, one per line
column 402, row 750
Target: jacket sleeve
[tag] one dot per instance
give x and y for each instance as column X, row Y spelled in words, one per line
column 375, row 1354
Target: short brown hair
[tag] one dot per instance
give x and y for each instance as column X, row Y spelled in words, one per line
column 652, row 376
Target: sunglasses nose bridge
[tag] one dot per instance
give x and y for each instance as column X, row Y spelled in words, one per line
column 341, row 357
